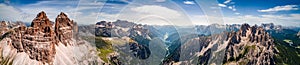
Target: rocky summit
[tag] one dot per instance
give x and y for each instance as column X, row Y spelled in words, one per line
column 62, row 42
column 250, row 45
column 3, row 28
column 64, row 28
column 104, row 29
column 38, row 40
column 45, row 43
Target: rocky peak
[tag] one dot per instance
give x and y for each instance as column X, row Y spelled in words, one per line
column 3, row 28
column 124, row 23
column 3, row 24
column 62, row 15
column 104, row 29
column 268, row 26
column 41, row 21
column 244, row 29
column 250, row 44
column 64, row 28
column 41, row 15
column 41, row 43
column 139, row 30
column 37, row 41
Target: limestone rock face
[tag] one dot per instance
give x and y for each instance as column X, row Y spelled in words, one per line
column 3, row 28
column 43, row 43
column 104, row 29
column 252, row 45
column 249, row 45
column 64, row 28
column 139, row 31
column 38, row 40
column 112, row 29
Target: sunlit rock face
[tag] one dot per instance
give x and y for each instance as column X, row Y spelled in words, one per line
column 64, row 28
column 38, row 40
column 3, row 27
column 249, row 45
column 45, row 43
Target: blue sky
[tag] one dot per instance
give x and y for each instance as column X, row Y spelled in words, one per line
column 159, row 12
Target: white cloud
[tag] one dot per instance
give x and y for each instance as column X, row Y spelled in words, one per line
column 280, row 8
column 286, row 20
column 227, row 1
column 160, row 0
column 237, row 13
column 222, row 5
column 150, row 14
column 156, row 10
column 232, row 8
column 229, row 7
column 73, row 9
column 9, row 13
column 87, row 13
column 201, row 20
column 188, row 2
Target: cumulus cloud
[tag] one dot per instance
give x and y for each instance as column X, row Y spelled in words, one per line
column 227, row 1
column 160, row 0
column 152, row 15
column 222, row 5
column 156, row 10
column 188, row 2
column 9, row 13
column 232, row 8
column 237, row 13
column 286, row 20
column 225, row 5
column 280, row 8
column 85, row 12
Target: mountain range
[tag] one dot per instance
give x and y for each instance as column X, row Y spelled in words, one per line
column 64, row 42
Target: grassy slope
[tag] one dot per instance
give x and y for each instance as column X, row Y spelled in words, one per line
column 104, row 47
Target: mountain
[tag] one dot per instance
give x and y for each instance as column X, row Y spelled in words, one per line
column 45, row 43
column 257, row 46
column 210, row 29
column 249, row 45
column 3, row 28
column 121, row 42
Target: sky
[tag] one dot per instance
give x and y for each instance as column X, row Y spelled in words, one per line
column 158, row 12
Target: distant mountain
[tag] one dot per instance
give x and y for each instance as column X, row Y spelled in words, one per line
column 249, row 45
column 212, row 44
column 210, row 29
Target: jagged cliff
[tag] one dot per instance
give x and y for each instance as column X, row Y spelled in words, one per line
column 249, row 45
column 122, row 42
column 45, row 43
